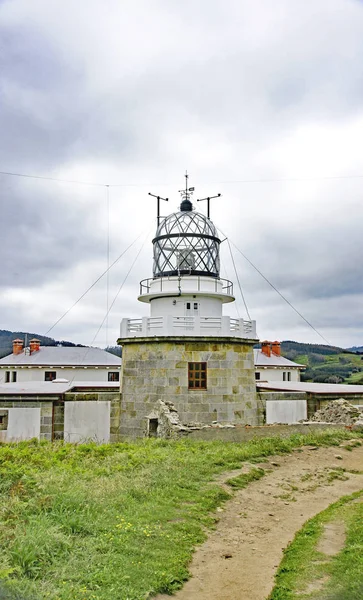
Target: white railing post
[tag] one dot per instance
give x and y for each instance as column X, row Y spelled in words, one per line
column 226, row 326
column 168, row 328
column 144, row 327
column 253, row 331
column 124, row 328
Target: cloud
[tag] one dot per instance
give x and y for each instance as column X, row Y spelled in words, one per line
column 134, row 93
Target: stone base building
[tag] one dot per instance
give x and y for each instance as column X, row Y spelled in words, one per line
column 161, row 368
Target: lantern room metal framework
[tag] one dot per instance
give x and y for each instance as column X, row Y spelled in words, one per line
column 186, row 293
column 186, row 243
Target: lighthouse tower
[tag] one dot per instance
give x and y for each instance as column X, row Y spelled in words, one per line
column 187, row 352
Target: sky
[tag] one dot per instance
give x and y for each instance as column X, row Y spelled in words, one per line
column 260, row 101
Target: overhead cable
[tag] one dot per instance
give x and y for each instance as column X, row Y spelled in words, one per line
column 281, row 295
column 93, row 284
column 231, row 181
column 238, row 281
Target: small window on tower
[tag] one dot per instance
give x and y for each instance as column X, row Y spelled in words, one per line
column 195, row 305
column 197, row 375
column 188, row 305
column 7, row 376
column 257, row 375
column 13, row 377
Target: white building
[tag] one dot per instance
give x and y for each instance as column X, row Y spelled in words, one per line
column 49, row 363
column 271, row 366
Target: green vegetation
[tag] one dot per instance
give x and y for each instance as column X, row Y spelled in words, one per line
column 115, row 522
column 242, row 481
column 325, row 364
column 306, row 573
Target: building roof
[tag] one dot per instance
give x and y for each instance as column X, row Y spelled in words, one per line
column 53, row 388
column 261, row 360
column 312, row 388
column 65, row 356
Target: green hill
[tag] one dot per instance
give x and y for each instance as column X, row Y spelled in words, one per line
column 7, row 337
column 325, row 364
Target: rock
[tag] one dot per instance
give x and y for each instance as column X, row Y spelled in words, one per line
column 358, row 425
column 338, row 411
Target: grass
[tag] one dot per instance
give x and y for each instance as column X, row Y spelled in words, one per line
column 303, row 564
column 115, row 522
column 241, row 481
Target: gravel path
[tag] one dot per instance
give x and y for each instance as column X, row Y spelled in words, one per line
column 239, row 559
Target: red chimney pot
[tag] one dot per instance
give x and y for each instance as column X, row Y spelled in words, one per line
column 34, row 345
column 18, row 346
column 266, row 348
column 276, row 348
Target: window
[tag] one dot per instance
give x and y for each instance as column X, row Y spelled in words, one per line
column 7, row 376
column 197, row 375
column 195, row 305
column 257, row 375
column 13, row 377
column 113, row 376
column 284, row 376
column 50, row 375
column 289, row 376
column 4, row 414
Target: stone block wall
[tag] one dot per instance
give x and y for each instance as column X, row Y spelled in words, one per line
column 157, row 369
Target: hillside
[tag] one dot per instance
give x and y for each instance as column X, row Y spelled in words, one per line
column 7, row 337
column 325, row 364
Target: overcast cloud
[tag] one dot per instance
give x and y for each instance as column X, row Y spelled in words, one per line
column 131, row 94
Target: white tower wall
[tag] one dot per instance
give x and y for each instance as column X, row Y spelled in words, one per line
column 187, row 306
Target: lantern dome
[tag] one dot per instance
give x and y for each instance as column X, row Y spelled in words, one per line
column 186, row 243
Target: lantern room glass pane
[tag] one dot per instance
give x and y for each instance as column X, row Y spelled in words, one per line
column 186, row 243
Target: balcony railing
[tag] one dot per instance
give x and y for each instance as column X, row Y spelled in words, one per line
column 193, row 283
column 188, row 326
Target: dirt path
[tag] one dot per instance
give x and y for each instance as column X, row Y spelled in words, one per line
column 239, row 559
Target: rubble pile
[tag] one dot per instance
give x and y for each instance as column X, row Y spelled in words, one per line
column 338, row 411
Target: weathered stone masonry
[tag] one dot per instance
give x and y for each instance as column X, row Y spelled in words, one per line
column 157, row 368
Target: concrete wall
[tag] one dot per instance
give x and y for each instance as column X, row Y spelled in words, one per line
column 19, row 422
column 285, row 411
column 157, row 368
column 23, row 424
column 243, row 434
column 87, row 421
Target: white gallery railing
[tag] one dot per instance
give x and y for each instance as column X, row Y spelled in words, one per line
column 194, row 326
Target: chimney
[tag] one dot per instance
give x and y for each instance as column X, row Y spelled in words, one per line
column 34, row 345
column 276, row 348
column 18, row 346
column 266, row 348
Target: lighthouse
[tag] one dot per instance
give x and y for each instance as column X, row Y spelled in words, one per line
column 187, row 351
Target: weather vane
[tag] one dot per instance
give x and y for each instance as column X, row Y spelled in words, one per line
column 185, row 194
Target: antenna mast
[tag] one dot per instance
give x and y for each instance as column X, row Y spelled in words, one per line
column 208, row 199
column 158, row 198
